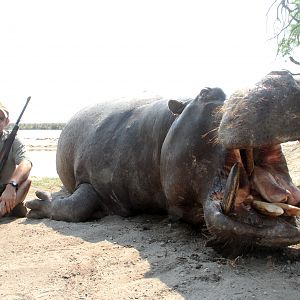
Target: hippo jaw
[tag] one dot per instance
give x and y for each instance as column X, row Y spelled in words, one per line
column 230, row 215
column 251, row 130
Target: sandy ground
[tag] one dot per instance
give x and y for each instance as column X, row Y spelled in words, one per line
column 144, row 257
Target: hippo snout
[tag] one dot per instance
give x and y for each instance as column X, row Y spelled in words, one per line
column 267, row 114
column 254, row 198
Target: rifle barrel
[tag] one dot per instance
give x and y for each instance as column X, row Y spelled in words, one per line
column 22, row 112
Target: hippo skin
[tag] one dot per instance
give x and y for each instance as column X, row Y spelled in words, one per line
column 174, row 157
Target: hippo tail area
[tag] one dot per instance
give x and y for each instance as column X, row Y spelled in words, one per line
column 72, row 145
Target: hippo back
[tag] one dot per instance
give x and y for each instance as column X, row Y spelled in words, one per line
column 116, row 147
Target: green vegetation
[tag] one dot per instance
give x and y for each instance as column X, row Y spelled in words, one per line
column 50, row 184
column 287, row 24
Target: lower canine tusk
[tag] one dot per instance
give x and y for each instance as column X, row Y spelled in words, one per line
column 231, row 188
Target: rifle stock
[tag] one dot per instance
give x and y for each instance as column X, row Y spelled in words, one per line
column 10, row 139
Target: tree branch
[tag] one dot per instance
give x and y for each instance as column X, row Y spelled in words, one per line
column 294, row 61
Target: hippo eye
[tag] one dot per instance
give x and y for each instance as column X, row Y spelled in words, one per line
column 205, row 91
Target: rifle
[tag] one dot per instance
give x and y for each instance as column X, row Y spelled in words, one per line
column 10, row 139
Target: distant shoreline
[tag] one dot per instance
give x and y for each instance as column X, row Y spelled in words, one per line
column 39, row 126
column 41, row 148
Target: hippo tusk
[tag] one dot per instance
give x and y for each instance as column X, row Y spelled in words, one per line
column 248, row 160
column 231, row 188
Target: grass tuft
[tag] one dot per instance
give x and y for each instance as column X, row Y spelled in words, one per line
column 50, row 184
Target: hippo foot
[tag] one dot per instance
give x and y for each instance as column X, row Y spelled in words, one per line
column 82, row 205
column 43, row 195
column 39, row 209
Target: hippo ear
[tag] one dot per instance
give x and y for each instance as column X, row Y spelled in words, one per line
column 176, row 107
column 205, row 91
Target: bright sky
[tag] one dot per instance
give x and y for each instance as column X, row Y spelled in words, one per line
column 67, row 54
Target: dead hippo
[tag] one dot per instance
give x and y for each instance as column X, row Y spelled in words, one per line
column 199, row 160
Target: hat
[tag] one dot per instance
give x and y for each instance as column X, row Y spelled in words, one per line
column 4, row 110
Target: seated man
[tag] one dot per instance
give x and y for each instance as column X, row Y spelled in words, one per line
column 14, row 181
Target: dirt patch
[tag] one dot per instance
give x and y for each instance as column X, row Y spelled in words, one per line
column 134, row 258
column 144, row 257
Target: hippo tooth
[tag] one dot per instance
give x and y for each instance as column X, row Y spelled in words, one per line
column 231, row 188
column 248, row 160
column 268, row 209
column 289, row 210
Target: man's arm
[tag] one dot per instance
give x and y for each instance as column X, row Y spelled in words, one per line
column 9, row 195
column 21, row 172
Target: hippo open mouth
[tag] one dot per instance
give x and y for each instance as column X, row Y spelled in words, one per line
column 254, row 198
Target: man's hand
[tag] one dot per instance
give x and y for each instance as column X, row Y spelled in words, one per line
column 8, row 199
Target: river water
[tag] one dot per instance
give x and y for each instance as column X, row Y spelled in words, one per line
column 41, row 146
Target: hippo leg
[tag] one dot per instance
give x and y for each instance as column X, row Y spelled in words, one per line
column 39, row 209
column 78, row 207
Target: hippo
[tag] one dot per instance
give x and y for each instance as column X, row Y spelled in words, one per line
column 200, row 160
